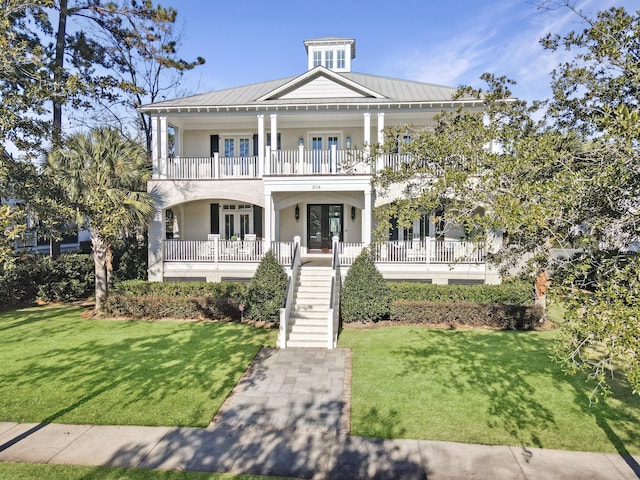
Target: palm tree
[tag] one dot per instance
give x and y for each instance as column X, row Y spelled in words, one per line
column 104, row 175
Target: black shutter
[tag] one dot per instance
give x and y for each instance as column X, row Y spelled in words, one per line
column 257, row 221
column 215, row 144
column 278, row 141
column 393, row 229
column 215, row 217
column 255, row 144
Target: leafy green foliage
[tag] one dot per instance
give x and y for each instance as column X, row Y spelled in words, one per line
column 514, row 293
column 496, row 315
column 69, row 277
column 364, row 296
column 157, row 307
column 19, row 284
column 267, row 290
column 234, row 290
column 66, row 278
column 130, row 261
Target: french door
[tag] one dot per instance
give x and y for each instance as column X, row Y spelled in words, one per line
column 324, row 222
column 321, row 146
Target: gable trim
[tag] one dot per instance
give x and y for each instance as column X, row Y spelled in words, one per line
column 314, row 73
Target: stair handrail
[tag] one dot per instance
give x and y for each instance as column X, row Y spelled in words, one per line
column 333, row 316
column 292, row 278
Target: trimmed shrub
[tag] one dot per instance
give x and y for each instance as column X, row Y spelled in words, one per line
column 164, row 306
column 514, row 317
column 232, row 290
column 513, row 293
column 267, row 290
column 130, row 262
column 19, row 284
column 69, row 277
column 365, row 294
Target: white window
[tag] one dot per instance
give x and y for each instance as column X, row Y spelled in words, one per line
column 317, row 58
column 340, row 60
column 328, row 59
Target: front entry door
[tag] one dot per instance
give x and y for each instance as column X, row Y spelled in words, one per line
column 325, row 221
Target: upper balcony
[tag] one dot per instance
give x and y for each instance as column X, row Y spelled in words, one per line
column 301, row 162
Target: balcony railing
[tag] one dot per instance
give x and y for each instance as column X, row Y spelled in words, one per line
column 190, row 168
column 277, row 162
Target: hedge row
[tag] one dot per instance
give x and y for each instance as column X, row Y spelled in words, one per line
column 512, row 293
column 166, row 306
column 515, row 317
column 141, row 288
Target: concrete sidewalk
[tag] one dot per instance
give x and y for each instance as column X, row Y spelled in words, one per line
column 311, row 454
column 289, row 416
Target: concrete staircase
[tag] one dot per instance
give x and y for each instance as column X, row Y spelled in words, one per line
column 308, row 320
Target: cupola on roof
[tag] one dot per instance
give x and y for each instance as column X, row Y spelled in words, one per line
column 333, row 53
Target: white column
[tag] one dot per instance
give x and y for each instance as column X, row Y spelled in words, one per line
column 156, row 234
column 155, row 151
column 274, row 132
column 367, row 133
column 164, row 146
column 261, row 168
column 367, row 214
column 381, row 128
column 268, row 219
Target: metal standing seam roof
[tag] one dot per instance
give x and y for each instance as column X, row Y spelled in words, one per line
column 393, row 91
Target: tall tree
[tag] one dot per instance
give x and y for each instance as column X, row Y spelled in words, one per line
column 597, row 93
column 567, row 180
column 104, row 175
column 24, row 84
column 119, row 51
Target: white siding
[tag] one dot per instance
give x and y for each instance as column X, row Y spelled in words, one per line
column 322, row 87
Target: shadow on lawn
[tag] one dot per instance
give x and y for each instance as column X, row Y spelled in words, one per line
column 607, row 414
column 499, row 370
column 132, row 367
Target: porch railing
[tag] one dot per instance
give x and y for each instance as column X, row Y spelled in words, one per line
column 417, row 251
column 221, row 251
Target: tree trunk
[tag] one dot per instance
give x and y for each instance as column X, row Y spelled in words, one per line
column 58, row 73
column 100, row 248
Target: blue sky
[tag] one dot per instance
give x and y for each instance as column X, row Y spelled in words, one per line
column 448, row 42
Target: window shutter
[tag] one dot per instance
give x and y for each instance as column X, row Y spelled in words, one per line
column 215, row 218
column 278, row 141
column 257, row 221
column 393, row 229
column 255, row 144
column 215, row 144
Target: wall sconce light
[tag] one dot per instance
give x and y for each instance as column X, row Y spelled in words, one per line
column 300, row 141
column 353, row 213
column 348, row 143
column 297, row 213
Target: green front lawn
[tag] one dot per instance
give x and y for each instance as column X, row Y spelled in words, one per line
column 59, row 367
column 480, row 386
column 22, row 471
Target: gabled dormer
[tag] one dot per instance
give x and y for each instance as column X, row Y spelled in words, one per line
column 333, row 53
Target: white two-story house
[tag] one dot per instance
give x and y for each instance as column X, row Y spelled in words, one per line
column 285, row 165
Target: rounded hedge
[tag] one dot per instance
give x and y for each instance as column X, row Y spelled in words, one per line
column 365, row 295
